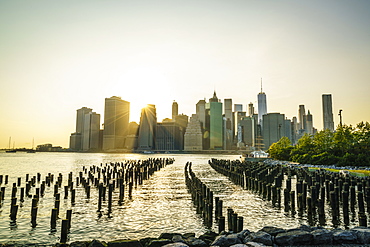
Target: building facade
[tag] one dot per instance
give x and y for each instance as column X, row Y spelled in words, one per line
column 169, row 137
column 116, row 120
column 262, row 107
column 147, row 128
column 76, row 139
column 193, row 139
column 274, row 128
column 215, row 121
column 91, row 135
column 327, row 111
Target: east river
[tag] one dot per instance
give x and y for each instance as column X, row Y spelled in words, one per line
column 161, row 204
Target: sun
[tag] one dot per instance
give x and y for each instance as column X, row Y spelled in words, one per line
column 143, row 86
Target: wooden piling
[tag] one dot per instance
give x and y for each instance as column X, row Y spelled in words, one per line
column 64, row 231
column 221, row 224
column 53, row 220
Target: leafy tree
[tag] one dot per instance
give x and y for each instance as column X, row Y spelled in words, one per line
column 347, row 146
column 281, row 150
column 323, row 141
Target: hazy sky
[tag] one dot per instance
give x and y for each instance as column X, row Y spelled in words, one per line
column 59, row 56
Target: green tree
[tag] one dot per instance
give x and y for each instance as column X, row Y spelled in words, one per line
column 323, row 141
column 281, row 150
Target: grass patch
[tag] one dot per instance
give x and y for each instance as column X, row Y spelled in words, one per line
column 357, row 173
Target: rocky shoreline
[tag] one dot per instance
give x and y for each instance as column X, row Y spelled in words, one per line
column 267, row 236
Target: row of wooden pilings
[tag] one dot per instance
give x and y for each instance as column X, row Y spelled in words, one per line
column 120, row 175
column 315, row 190
column 104, row 178
column 27, row 193
column 207, row 205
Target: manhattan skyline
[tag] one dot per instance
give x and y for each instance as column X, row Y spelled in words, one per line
column 57, row 57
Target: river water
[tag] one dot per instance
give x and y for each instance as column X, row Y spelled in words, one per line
column 160, row 204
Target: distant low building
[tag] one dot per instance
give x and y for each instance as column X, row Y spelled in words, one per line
column 48, row 148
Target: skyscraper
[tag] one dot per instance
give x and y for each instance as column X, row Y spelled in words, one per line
column 309, row 123
column 148, row 128
column 116, row 120
column 274, row 128
column 301, row 114
column 250, row 109
column 80, row 119
column 175, row 110
column 262, row 106
column 214, row 114
column 90, row 141
column 193, row 139
column 76, row 139
column 238, row 107
column 246, row 126
column 228, row 124
column 327, row 112
column 228, row 108
column 201, row 112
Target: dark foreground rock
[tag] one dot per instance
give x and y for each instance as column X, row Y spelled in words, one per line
column 267, row 236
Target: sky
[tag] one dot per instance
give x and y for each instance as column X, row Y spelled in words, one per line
column 59, row 56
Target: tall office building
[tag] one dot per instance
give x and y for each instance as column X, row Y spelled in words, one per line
column 274, row 127
column 301, row 114
column 175, row 110
column 228, row 108
column 247, row 132
column 91, row 134
column 250, row 109
column 215, row 121
column 309, row 123
column 76, row 139
column 327, row 112
column 169, row 137
column 193, row 139
column 238, row 116
column 148, row 128
column 116, row 120
column 228, row 124
column 262, row 106
column 238, row 107
column 201, row 112
column 80, row 119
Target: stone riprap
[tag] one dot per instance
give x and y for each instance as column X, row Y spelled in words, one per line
column 267, row 236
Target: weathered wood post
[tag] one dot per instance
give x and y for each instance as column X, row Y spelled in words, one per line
column 345, row 206
column 53, row 221
column 64, row 232
column 221, row 224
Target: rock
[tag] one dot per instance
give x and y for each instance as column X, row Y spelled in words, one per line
column 238, row 245
column 273, row 231
column 178, row 244
column 344, row 237
column 227, row 240
column 363, row 234
column 294, row 237
column 125, row 243
column 196, row 242
column 208, row 237
column 159, row 242
column 188, row 235
column 97, row 243
column 259, row 237
column 145, row 241
column 168, row 235
column 178, row 238
column 254, row 244
column 79, row 244
column 322, row 236
column 243, row 234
